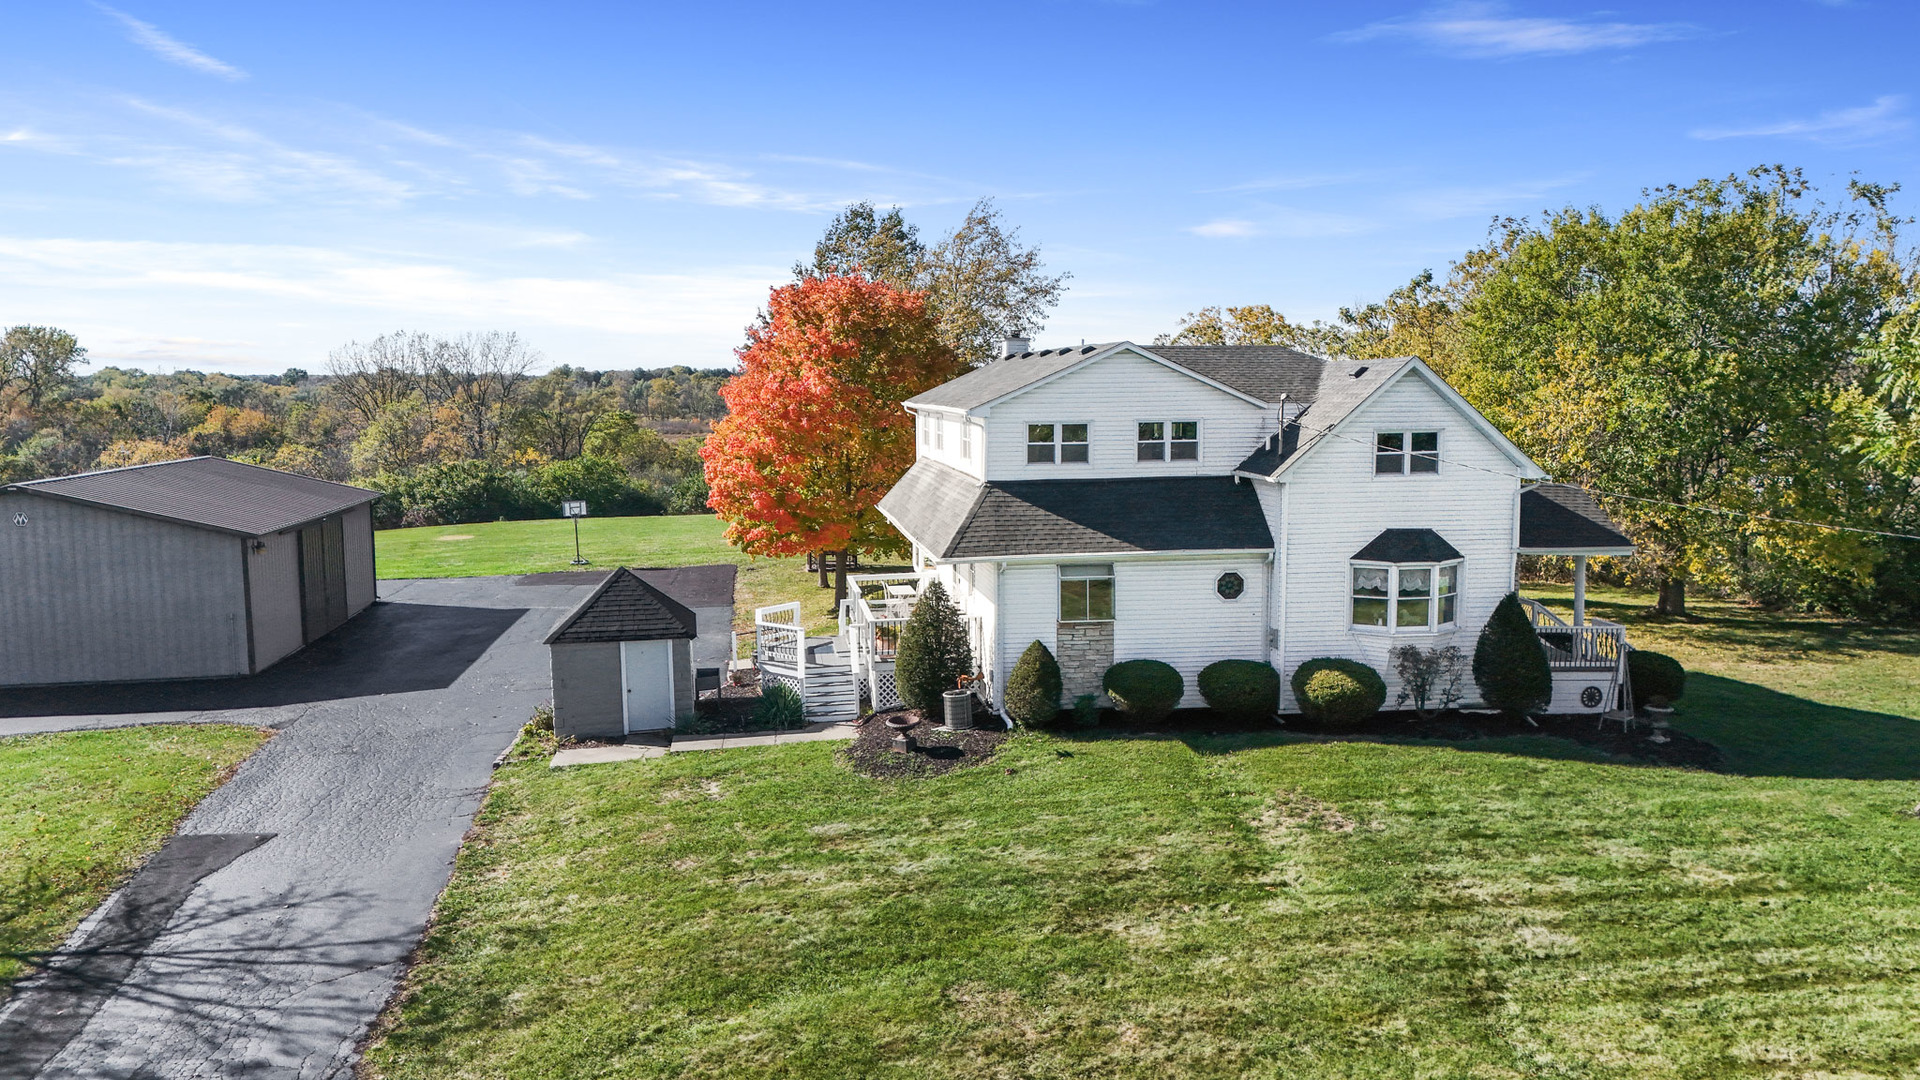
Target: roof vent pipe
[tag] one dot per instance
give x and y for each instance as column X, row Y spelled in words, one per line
column 1014, row 346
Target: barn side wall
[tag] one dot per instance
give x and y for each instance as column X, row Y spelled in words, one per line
column 356, row 529
column 93, row 595
column 586, row 691
column 274, row 578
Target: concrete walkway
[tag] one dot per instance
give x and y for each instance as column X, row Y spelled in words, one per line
column 635, row 751
column 267, row 954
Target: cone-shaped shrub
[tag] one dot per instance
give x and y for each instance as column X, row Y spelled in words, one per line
column 1338, row 692
column 1241, row 689
column 1033, row 690
column 934, row 654
column 1147, row 689
column 1509, row 665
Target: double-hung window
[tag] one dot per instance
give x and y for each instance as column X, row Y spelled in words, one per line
column 1086, row 592
column 1050, row 443
column 1396, row 453
column 939, row 434
column 1404, row 596
column 966, row 440
column 1169, row 440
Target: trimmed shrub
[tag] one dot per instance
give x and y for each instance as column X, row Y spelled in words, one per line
column 1033, row 690
column 1241, row 689
column 1086, row 711
column 1336, row 692
column 780, row 708
column 1658, row 679
column 1509, row 665
column 934, row 654
column 1147, row 689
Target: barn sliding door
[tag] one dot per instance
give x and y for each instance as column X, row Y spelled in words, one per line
column 323, row 578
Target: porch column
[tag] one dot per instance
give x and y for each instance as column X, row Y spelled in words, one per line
column 1579, row 590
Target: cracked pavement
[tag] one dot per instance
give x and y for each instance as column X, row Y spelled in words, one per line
column 275, row 962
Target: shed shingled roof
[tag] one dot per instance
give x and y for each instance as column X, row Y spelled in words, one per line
column 1567, row 520
column 1407, row 546
column 209, row 493
column 624, row 608
column 957, row 517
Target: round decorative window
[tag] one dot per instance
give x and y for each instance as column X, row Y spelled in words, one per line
column 1230, row 585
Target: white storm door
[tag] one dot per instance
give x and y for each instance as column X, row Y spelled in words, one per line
column 646, row 681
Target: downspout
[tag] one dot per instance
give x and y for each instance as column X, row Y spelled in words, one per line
column 999, row 621
column 1276, row 598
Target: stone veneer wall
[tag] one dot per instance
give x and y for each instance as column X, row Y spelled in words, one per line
column 1085, row 653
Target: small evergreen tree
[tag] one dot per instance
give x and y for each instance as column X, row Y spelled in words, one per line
column 1509, row 665
column 1033, row 690
column 934, row 654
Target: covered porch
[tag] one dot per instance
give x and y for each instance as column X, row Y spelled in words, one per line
column 1588, row 656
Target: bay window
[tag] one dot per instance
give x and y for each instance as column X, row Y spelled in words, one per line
column 1404, row 597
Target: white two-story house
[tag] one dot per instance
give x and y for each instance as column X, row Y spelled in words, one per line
column 1192, row 504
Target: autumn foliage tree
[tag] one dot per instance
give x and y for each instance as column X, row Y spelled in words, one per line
column 815, row 434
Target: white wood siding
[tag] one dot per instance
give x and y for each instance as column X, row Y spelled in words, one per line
column 1338, row 505
column 1029, row 610
column 946, row 449
column 1166, row 610
column 1113, row 396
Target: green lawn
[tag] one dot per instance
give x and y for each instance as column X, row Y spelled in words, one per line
column 532, row 547
column 78, row 811
column 1252, row 905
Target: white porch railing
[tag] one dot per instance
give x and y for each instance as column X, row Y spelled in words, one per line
column 780, row 647
column 871, row 618
column 1596, row 645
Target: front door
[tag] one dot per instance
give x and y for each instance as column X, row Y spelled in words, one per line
column 646, row 682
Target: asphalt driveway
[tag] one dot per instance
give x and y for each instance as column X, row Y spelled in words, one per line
column 269, row 935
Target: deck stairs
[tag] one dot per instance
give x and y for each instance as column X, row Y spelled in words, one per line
column 812, row 666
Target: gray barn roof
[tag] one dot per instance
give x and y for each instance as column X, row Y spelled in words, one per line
column 624, row 608
column 957, row 517
column 1560, row 519
column 209, row 493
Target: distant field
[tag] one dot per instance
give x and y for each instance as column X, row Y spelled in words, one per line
column 533, row 547
column 80, row 810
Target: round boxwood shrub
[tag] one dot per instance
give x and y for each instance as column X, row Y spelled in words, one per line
column 1509, row 665
column 1241, row 689
column 1033, row 690
column 1336, row 692
column 1658, row 679
column 1147, row 689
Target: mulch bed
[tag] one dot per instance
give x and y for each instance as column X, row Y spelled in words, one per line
column 1680, row 750
column 933, row 753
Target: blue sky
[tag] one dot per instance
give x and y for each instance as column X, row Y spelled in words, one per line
column 242, row 187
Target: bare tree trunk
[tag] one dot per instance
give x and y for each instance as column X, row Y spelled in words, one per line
column 820, row 565
column 1673, row 597
column 839, row 578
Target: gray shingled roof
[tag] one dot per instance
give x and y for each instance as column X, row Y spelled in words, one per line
column 1343, row 387
column 1267, row 372
column 1563, row 519
column 1002, row 377
column 208, row 492
column 957, row 517
column 624, row 608
column 1407, row 546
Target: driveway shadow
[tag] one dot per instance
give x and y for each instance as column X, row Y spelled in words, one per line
column 391, row 648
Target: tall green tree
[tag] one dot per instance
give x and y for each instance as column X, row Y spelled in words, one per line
column 1686, row 354
column 38, row 361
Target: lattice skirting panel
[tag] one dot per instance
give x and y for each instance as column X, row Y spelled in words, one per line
column 882, row 692
column 768, row 678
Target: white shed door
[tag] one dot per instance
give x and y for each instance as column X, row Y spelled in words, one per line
column 646, row 679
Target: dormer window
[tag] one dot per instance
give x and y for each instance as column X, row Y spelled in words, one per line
column 1050, row 443
column 1169, row 440
column 1397, row 453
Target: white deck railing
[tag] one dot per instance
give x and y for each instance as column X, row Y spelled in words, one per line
column 1596, row 645
column 871, row 618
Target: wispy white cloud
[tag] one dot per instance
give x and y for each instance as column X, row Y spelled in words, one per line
column 1289, row 222
column 1296, row 182
column 1232, row 228
column 1488, row 31
column 1885, row 118
column 1451, row 202
column 171, row 49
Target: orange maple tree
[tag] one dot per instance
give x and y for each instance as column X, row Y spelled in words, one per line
column 814, row 433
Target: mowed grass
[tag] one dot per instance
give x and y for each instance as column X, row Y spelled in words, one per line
column 80, row 810
column 1235, row 906
column 534, row 547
